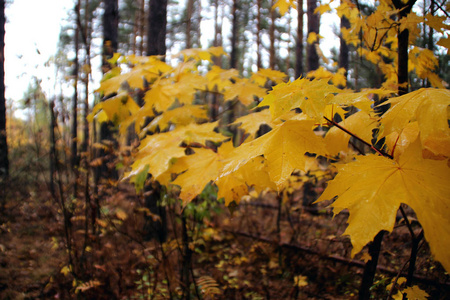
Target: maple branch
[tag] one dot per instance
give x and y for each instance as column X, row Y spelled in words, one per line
column 380, row 152
column 442, row 9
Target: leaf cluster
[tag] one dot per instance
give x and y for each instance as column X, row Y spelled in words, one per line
column 185, row 150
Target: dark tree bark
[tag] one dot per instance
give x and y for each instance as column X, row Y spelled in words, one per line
column 403, row 43
column 344, row 51
column 157, row 23
column 272, row 55
column 74, row 161
column 110, row 32
column 156, row 45
column 4, row 162
column 258, row 35
column 234, row 35
column 299, row 45
column 189, row 10
column 110, row 44
column 313, row 26
column 217, row 33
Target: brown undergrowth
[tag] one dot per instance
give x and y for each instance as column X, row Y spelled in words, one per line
column 253, row 251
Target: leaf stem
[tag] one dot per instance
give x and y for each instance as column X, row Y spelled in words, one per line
column 380, row 152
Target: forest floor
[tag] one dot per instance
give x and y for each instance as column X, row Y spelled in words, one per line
column 256, row 252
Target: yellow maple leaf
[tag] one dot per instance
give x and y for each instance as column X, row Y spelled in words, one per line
column 284, row 147
column 360, row 124
column 245, row 91
column 117, row 108
column 263, row 75
column 312, row 96
column 398, row 143
column 251, row 122
column 415, row 293
column 201, row 168
column 183, row 115
column 201, row 54
column 313, row 37
column 219, row 78
column 373, row 187
column 445, row 42
column 235, row 185
column 436, row 22
column 429, row 108
column 134, row 78
column 321, row 9
column 157, row 150
column 284, row 5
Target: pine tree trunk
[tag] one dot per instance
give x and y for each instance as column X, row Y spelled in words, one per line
column 110, row 44
column 343, row 51
column 74, row 132
column 4, row 162
column 403, row 43
column 110, row 32
column 189, row 11
column 156, row 45
column 234, row 36
column 272, row 55
column 313, row 26
column 157, row 23
column 258, row 35
column 299, row 45
column 217, row 33
column 87, row 41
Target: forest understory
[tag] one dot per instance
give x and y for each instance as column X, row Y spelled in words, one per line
column 255, row 250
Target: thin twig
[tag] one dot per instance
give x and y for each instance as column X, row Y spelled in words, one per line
column 380, row 152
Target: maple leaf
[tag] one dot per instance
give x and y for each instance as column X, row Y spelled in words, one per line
column 361, row 124
column 284, row 148
column 220, row 78
column 201, row 54
column 263, row 75
column 116, row 109
column 254, row 173
column 134, row 78
column 183, row 115
column 398, row 143
column 373, row 187
column 284, row 5
column 313, row 37
column 445, row 42
column 312, row 96
column 157, row 150
column 201, row 168
column 429, row 108
column 245, row 91
column 251, row 122
column 321, row 9
column 415, row 293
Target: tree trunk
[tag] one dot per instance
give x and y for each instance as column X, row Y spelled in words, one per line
column 156, row 45
column 110, row 32
column 157, row 23
column 258, row 35
column 217, row 33
column 74, row 162
column 189, row 10
column 87, row 46
column 272, row 55
column 299, row 46
column 313, row 26
column 403, row 43
column 343, row 51
column 4, row 162
column 234, row 36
